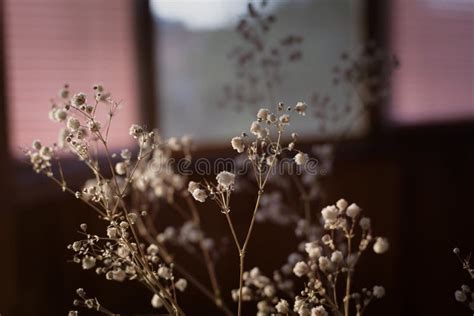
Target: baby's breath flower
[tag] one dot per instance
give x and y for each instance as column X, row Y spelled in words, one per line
column 94, row 126
column 112, row 232
column 156, row 301
column 262, row 114
column 337, row 257
column 301, row 158
column 36, row 144
column 285, row 119
column 378, row 291
column 199, row 195
column 73, row 123
column 225, row 179
column 192, row 186
column 46, row 153
column 78, row 99
column 319, row 311
column 174, row 144
column 342, row 204
column 282, row 307
column 330, row 214
column 164, row 272
column 313, row 249
column 152, row 250
column 181, row 285
column 88, row 262
column 300, row 269
column 238, row 144
column 121, row 168
column 324, row 263
column 255, row 128
column 381, row 245
column 353, row 210
column 135, row 130
column 364, row 223
column 460, row 296
column 72, row 313
column 126, row 154
column 60, row 115
column 300, row 107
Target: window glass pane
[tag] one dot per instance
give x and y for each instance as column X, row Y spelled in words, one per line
column 80, row 42
column 194, row 44
column 434, row 40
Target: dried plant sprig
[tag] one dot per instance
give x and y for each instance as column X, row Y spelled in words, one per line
column 262, row 150
column 464, row 294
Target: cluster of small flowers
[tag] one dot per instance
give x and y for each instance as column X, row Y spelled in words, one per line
column 464, row 295
column 261, row 128
column 326, row 262
column 86, row 302
column 157, row 176
column 219, row 192
column 40, row 157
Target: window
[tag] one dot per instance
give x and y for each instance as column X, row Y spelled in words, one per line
column 194, row 42
column 434, row 40
column 80, row 42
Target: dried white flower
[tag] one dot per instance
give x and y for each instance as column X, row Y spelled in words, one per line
column 319, row 311
column 174, row 144
column 337, row 256
column 88, row 262
column 364, row 223
column 164, row 272
column 300, row 107
column 285, row 119
column 60, row 115
column 381, row 245
column 353, row 210
column 282, row 307
column 342, row 204
column 73, row 123
column 78, row 99
column 300, row 269
column 238, row 144
column 135, row 130
column 263, row 114
column 313, row 249
column 121, row 168
column 93, row 126
column 378, row 291
column 324, row 263
column 199, row 195
column 301, row 158
column 225, row 179
column 156, row 301
column 36, row 144
column 112, row 232
column 330, row 214
column 255, row 128
column 460, row 296
column 152, row 250
column 181, row 285
column 46, row 153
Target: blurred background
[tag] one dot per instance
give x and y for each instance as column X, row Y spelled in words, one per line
column 404, row 145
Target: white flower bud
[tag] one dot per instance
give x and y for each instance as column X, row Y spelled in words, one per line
column 300, row 269
column 263, row 114
column 88, row 262
column 330, row 214
column 112, row 232
column 152, row 250
column 300, row 107
column 225, row 179
column 381, row 245
column 181, row 285
column 364, row 223
column 353, row 210
column 164, row 272
column 199, row 195
column 192, row 186
column 324, row 263
column 135, row 130
column 255, row 128
column 282, row 307
column 342, row 204
column 36, row 144
column 378, row 291
column 60, row 115
column 78, row 99
column 313, row 249
column 46, row 153
column 285, row 119
column 336, row 256
column 73, row 123
column 319, row 311
column 238, row 144
column 156, row 301
column 121, row 168
column 301, row 158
